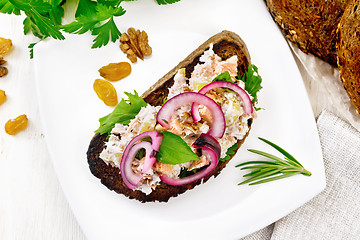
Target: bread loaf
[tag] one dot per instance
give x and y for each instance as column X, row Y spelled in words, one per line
column 310, row 24
column 349, row 51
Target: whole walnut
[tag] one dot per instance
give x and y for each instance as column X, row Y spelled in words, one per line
column 135, row 44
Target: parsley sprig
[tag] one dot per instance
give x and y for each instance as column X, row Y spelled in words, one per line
column 252, row 81
column 90, row 14
column 231, row 151
column 44, row 18
column 163, row 2
column 122, row 113
column 271, row 170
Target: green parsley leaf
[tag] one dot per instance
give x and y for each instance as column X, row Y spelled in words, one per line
column 225, row 76
column 45, row 25
column 104, row 33
column 29, row 25
column 22, row 5
column 38, row 19
column 252, row 81
column 174, row 150
column 81, row 25
column 91, row 19
column 7, row 7
column 185, row 173
column 123, row 113
column 231, row 151
column 85, row 8
column 163, row 2
column 39, row 6
column 31, row 47
column 110, row 3
column 105, row 11
column 57, row 11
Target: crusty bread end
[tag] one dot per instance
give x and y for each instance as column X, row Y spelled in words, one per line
column 349, row 52
column 310, row 24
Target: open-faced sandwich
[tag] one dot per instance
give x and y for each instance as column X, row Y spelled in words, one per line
column 184, row 129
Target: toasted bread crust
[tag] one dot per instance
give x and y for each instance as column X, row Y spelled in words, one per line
column 349, row 51
column 310, row 24
column 226, row 44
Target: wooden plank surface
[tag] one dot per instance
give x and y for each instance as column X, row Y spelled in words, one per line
column 32, row 204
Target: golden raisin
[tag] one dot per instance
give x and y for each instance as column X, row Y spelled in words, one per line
column 106, row 92
column 2, row 60
column 5, row 45
column 115, row 71
column 3, row 71
column 2, row 96
column 13, row 126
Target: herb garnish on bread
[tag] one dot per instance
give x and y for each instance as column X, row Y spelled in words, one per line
column 190, row 123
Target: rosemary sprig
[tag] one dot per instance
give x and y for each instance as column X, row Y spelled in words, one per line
column 274, row 169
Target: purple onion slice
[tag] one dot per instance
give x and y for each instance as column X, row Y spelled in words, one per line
column 244, row 97
column 130, row 178
column 217, row 129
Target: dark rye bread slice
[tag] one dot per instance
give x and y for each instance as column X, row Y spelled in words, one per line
column 349, row 51
column 226, row 44
column 310, row 24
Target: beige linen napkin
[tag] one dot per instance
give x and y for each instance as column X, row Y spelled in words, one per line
column 334, row 213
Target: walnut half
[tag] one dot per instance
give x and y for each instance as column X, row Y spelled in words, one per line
column 135, row 44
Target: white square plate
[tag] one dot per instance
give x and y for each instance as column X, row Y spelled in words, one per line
column 219, row 209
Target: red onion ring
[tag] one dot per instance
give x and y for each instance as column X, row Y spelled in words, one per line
column 248, row 108
column 206, row 140
column 217, row 129
column 196, row 176
column 212, row 147
column 156, row 139
column 130, row 178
